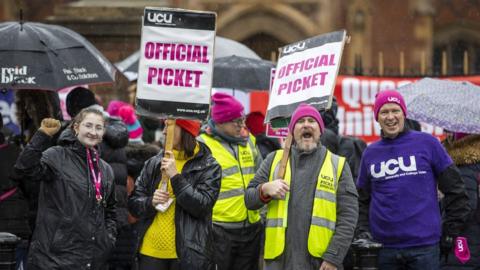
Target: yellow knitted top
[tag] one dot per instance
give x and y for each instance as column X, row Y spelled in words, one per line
column 159, row 240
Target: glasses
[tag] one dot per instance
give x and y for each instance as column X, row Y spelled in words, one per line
column 239, row 121
column 93, row 127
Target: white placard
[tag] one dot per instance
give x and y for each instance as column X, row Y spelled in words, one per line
column 176, row 63
column 306, row 73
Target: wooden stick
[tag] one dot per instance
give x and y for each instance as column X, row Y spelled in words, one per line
column 170, row 123
column 168, row 147
column 286, row 153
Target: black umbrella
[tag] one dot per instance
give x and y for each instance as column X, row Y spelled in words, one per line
column 49, row 57
column 241, row 73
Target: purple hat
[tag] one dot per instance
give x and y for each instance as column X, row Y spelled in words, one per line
column 388, row 96
column 305, row 110
column 225, row 108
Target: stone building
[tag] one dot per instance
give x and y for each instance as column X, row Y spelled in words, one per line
column 413, row 34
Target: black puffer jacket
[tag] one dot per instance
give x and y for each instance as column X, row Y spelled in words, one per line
column 196, row 190
column 72, row 231
column 465, row 154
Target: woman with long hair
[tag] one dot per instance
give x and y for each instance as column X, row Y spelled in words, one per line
column 75, row 226
column 180, row 237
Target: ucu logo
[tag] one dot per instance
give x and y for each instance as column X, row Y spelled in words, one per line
column 460, row 245
column 294, row 47
column 392, row 166
column 159, row 17
column 393, row 99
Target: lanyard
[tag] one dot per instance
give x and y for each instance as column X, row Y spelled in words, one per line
column 7, row 194
column 97, row 179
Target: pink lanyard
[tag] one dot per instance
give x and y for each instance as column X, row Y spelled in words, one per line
column 7, row 194
column 97, row 179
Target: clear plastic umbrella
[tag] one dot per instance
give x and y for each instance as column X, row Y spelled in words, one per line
column 452, row 105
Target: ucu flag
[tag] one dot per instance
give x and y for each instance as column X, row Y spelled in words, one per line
column 392, row 167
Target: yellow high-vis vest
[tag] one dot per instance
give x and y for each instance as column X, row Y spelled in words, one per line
column 236, row 175
column 324, row 213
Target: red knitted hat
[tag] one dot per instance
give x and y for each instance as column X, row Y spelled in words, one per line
column 190, row 126
column 255, row 123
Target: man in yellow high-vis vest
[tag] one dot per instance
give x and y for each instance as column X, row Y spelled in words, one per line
column 236, row 229
column 312, row 211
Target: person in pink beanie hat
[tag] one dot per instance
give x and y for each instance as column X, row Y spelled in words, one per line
column 390, row 112
column 135, row 130
column 239, row 228
column 226, row 108
column 320, row 184
column 397, row 185
column 114, row 106
column 306, row 110
column 389, row 96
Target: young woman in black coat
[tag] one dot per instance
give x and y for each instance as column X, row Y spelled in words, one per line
column 180, row 237
column 75, row 225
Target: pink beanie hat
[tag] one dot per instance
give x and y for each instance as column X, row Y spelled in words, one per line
column 306, row 110
column 127, row 113
column 388, row 96
column 135, row 130
column 114, row 106
column 225, row 108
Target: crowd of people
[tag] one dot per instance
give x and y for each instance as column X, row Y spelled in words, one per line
column 88, row 193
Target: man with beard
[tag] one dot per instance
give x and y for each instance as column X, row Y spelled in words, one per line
column 316, row 197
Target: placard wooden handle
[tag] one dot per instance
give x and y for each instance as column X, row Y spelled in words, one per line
column 286, row 153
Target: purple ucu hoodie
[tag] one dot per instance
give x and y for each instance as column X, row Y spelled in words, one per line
column 400, row 175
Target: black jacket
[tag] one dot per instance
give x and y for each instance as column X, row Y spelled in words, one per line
column 346, row 146
column 196, row 190
column 72, row 231
column 112, row 148
column 266, row 145
column 112, row 151
column 465, row 154
column 14, row 209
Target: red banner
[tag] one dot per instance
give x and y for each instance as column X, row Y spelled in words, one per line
column 356, row 96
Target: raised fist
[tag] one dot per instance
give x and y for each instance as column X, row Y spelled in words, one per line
column 50, row 126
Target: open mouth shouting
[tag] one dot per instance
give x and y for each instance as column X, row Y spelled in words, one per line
column 307, row 139
column 307, row 135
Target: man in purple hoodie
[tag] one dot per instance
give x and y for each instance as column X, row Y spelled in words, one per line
column 397, row 183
